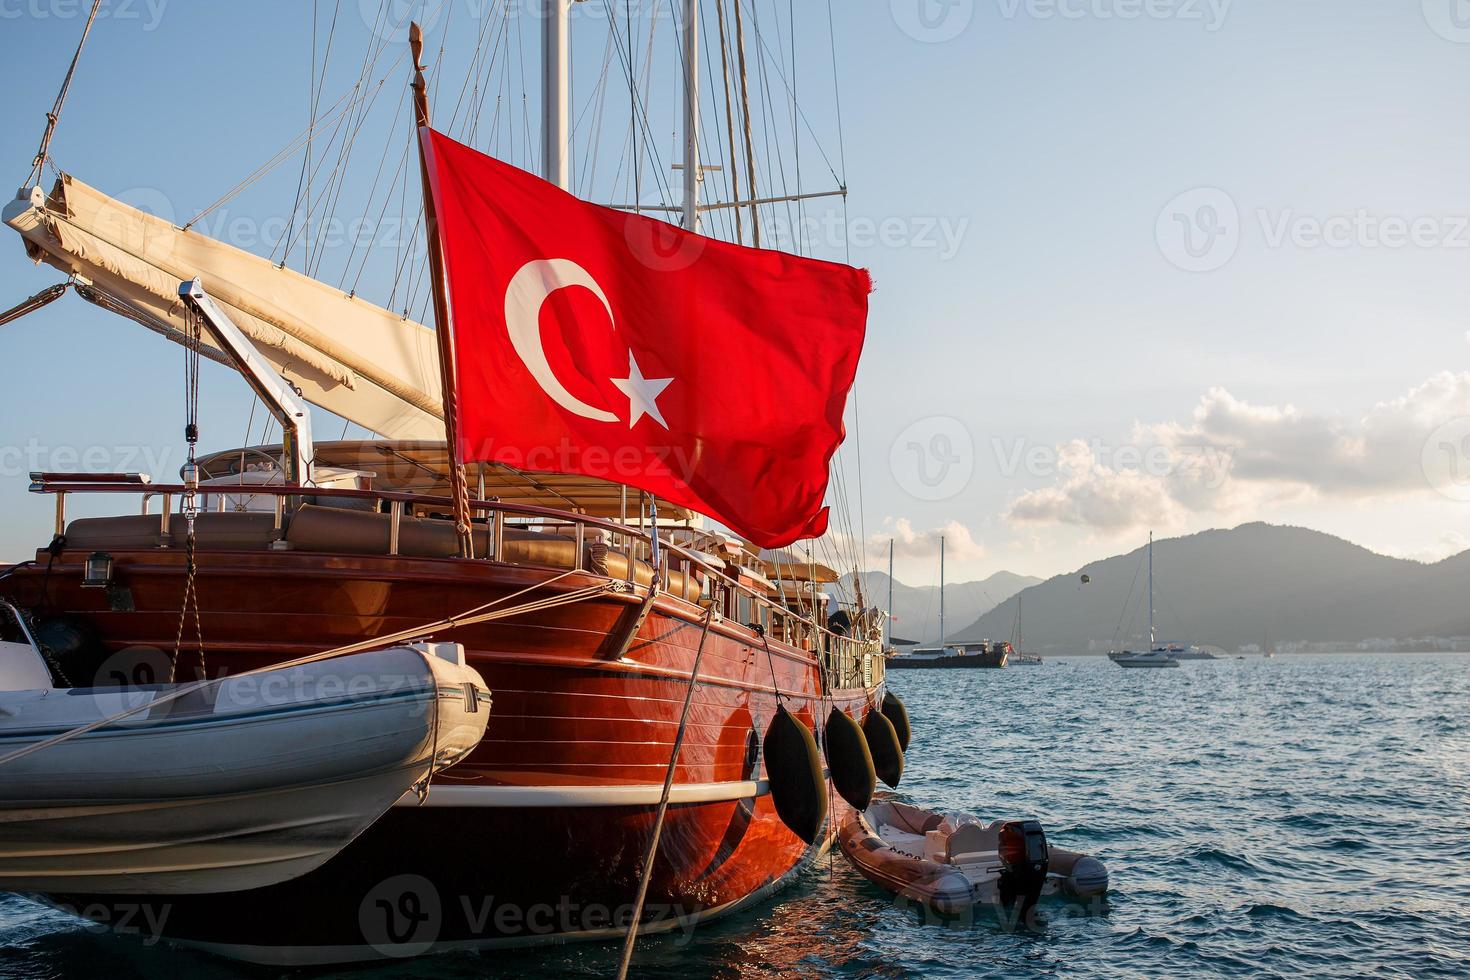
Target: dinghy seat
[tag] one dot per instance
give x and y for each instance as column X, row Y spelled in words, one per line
column 973, row 844
column 228, row 531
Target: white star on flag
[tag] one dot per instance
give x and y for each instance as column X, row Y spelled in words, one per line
column 642, row 393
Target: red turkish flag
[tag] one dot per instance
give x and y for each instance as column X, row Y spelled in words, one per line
column 602, row 343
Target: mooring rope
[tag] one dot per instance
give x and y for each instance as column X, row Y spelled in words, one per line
column 663, row 802
column 468, row 618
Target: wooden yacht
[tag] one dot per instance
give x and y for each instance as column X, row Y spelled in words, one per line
column 587, row 691
column 592, row 604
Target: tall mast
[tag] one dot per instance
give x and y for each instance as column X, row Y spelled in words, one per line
column 691, row 115
column 1150, row 591
column 730, row 124
column 443, row 324
column 890, row 593
column 941, row 590
column 555, row 91
column 755, row 221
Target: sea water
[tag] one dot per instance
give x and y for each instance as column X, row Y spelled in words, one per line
column 1302, row 815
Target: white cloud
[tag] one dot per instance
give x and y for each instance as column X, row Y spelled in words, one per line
column 1232, row 457
column 908, row 544
column 1447, row 544
column 1093, row 494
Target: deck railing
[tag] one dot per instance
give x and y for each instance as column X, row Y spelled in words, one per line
column 846, row 662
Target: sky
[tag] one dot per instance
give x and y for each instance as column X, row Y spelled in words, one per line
column 1141, row 264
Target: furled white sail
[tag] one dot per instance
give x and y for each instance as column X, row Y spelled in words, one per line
column 360, row 361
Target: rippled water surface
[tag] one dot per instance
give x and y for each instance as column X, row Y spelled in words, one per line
column 1259, row 817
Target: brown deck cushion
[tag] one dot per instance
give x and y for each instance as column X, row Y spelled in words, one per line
column 229, row 531
column 329, row 529
column 356, row 532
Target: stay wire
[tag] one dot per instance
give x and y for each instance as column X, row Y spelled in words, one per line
column 43, row 152
column 646, row 874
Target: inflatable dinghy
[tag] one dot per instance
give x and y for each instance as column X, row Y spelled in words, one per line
column 246, row 782
column 953, row 862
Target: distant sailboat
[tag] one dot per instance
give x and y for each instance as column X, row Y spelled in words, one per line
column 1155, row 656
column 1021, row 658
column 960, row 655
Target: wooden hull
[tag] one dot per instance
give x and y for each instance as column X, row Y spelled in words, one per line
column 540, row 834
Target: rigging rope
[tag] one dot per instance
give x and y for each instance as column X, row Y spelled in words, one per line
column 190, row 473
column 52, row 117
column 1117, row 630
column 31, row 304
column 771, row 662
column 663, row 802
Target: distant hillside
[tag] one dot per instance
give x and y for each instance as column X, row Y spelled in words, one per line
column 1230, row 588
column 916, row 608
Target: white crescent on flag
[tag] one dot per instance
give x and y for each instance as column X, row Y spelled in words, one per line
column 524, row 297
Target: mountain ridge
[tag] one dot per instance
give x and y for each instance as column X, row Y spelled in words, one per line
column 916, row 608
column 1231, row 587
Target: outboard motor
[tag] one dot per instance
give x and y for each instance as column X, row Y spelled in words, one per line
column 1025, row 856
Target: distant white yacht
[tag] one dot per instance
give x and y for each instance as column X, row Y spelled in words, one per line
column 1153, row 658
column 1183, row 651
column 1179, row 651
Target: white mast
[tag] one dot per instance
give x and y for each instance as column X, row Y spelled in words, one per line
column 1150, row 591
column 691, row 115
column 555, row 91
column 941, row 590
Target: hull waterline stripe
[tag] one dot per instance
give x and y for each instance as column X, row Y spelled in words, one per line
column 643, row 794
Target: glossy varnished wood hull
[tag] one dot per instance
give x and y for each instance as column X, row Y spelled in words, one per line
column 540, row 834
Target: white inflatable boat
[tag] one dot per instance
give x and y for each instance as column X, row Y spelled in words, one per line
column 953, row 862
column 242, row 783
